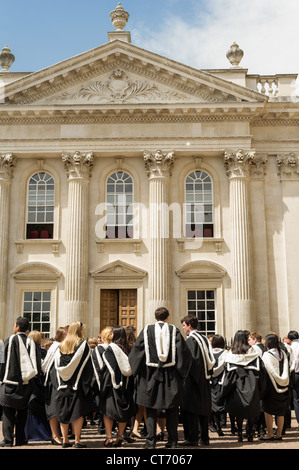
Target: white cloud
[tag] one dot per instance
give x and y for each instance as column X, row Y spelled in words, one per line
column 266, row 30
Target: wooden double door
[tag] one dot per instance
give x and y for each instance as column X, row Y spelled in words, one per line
column 118, row 307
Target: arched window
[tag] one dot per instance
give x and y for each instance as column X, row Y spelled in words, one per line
column 40, row 206
column 199, row 205
column 119, row 202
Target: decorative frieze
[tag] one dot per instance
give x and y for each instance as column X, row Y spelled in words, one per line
column 158, row 164
column 78, row 165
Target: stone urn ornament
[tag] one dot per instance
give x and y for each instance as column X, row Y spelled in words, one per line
column 119, row 17
column 6, row 59
column 235, row 54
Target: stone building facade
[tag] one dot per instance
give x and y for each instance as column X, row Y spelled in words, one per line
column 130, row 181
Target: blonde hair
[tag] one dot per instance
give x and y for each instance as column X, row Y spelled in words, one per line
column 106, row 334
column 36, row 336
column 73, row 338
column 93, row 342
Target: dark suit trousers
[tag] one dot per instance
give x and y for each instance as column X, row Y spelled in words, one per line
column 172, row 421
column 14, row 421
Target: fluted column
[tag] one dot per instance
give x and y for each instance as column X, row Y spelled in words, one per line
column 7, row 163
column 78, row 167
column 158, row 167
column 239, row 166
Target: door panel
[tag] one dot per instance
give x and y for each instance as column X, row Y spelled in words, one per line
column 118, row 307
column 109, row 307
column 128, row 307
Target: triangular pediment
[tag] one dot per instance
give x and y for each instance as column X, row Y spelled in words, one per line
column 119, row 73
column 118, row 270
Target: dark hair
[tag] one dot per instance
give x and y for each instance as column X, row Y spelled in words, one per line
column 272, row 341
column 218, row 341
column 240, row 343
column 293, row 334
column 119, row 337
column 131, row 338
column 190, row 320
column 23, row 324
column 161, row 314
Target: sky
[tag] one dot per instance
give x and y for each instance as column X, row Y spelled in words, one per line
column 197, row 33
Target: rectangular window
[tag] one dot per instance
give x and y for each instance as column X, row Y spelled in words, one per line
column 36, row 307
column 202, row 304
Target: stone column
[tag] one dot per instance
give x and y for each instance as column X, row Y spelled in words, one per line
column 238, row 165
column 78, row 167
column 158, row 166
column 7, row 163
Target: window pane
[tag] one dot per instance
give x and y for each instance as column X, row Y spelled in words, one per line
column 202, row 304
column 40, row 201
column 119, row 194
column 198, row 189
column 36, row 307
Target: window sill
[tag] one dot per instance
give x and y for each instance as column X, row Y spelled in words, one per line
column 38, row 241
column 135, row 243
column 196, row 243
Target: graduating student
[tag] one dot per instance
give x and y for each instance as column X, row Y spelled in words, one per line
column 196, row 406
column 160, row 361
column 243, row 383
column 17, row 372
column 218, row 412
column 116, row 386
column 51, row 385
column 276, row 396
column 74, row 373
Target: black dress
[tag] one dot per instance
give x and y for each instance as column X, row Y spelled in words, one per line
column 74, row 394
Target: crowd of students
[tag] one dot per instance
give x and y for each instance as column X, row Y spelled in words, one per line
column 159, row 377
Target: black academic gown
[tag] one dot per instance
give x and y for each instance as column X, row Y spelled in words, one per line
column 116, row 386
column 74, row 394
column 197, row 387
column 159, row 385
column 16, row 387
column 50, row 381
column 243, row 384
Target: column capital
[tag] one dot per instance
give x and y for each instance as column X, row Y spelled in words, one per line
column 158, row 164
column 288, row 166
column 239, row 164
column 78, row 165
column 7, row 164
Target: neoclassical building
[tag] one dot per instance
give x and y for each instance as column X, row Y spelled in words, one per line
column 130, row 181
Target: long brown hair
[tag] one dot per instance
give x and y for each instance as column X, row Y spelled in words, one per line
column 73, row 338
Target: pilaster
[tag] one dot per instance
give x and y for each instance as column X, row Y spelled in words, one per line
column 7, row 164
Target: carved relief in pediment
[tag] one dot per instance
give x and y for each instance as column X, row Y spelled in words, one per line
column 118, row 89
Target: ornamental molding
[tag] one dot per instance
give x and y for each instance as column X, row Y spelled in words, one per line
column 243, row 164
column 78, row 165
column 116, row 116
column 288, row 166
column 118, row 89
column 7, row 164
column 158, row 164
